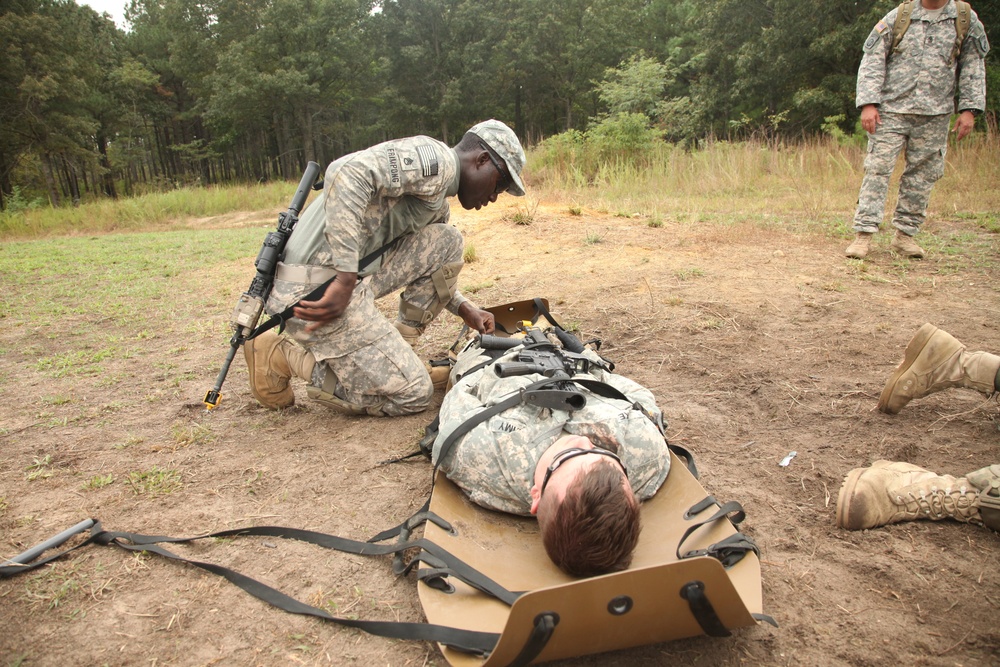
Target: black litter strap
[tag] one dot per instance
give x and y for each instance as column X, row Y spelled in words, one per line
column 480, row 643
column 728, row 551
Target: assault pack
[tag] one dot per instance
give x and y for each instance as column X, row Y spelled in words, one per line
column 962, row 22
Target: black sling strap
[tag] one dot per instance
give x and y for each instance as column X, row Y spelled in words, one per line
column 317, row 293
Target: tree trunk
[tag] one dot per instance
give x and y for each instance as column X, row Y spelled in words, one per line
column 108, row 177
column 50, row 181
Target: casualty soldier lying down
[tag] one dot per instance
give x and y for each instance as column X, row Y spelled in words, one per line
column 518, row 436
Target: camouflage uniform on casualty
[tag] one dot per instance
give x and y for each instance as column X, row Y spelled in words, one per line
column 495, row 462
column 352, row 357
column 913, row 90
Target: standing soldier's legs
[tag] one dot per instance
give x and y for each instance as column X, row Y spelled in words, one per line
column 925, row 155
column 883, row 149
column 427, row 264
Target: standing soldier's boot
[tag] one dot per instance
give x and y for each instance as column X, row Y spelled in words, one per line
column 859, row 247
column 273, row 360
column 935, row 360
column 890, row 492
column 906, row 246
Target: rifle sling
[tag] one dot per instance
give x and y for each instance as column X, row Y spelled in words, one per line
column 318, row 292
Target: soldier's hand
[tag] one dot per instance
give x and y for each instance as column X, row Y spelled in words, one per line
column 332, row 304
column 870, row 118
column 964, row 124
column 480, row 320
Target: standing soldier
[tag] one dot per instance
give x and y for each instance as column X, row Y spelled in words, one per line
column 389, row 198
column 913, row 59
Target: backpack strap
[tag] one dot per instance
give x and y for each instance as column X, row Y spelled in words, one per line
column 901, row 23
column 962, row 22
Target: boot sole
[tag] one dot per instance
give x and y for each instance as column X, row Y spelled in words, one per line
column 913, row 350
column 845, row 496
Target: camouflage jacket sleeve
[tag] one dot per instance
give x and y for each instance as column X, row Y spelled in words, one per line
column 871, row 73
column 362, row 195
column 972, row 69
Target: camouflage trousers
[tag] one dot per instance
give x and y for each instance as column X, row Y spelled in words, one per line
column 925, row 141
column 360, row 356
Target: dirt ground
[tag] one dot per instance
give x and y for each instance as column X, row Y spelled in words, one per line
column 757, row 341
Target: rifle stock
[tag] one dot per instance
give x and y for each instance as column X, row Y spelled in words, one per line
column 251, row 303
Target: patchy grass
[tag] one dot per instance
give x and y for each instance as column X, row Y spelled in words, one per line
column 191, row 434
column 98, row 482
column 154, row 481
column 523, row 214
column 39, row 469
column 469, row 253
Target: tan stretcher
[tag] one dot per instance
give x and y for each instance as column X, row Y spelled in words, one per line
column 659, row 598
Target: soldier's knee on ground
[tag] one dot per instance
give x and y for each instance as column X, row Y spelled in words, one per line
column 415, row 397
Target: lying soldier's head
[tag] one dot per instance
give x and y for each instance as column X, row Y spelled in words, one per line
column 587, row 511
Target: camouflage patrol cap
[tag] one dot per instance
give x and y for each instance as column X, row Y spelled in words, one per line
column 504, row 143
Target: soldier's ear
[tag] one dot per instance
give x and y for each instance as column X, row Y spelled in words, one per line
column 536, row 497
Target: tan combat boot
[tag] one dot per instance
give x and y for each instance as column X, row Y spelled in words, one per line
column 273, row 360
column 859, row 247
column 906, row 246
column 410, row 334
column 987, row 480
column 935, row 360
column 890, row 492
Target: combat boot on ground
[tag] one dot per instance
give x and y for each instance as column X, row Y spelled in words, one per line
column 439, row 374
column 889, row 492
column 273, row 361
column 987, row 481
column 935, row 360
column 860, row 246
column 905, row 245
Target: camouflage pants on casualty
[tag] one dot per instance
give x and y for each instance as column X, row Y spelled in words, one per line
column 361, row 357
column 925, row 140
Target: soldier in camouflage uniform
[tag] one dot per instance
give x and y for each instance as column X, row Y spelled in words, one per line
column 906, row 97
column 530, row 460
column 353, row 359
column 889, row 492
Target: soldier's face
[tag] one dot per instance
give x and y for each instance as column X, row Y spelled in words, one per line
column 481, row 182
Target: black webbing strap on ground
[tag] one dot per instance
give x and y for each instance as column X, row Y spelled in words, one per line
column 480, row 643
column 317, row 293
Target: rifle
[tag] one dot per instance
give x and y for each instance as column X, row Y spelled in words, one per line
column 251, row 304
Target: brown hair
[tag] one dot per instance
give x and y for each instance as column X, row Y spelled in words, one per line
column 595, row 528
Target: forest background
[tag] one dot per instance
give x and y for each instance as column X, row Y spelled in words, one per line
column 242, row 91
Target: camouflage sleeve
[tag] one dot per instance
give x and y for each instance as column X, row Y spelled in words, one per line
column 871, row 73
column 972, row 69
column 456, row 302
column 348, row 189
column 418, row 167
